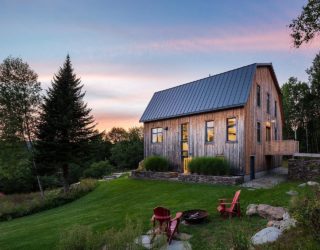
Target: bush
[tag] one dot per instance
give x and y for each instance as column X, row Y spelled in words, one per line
column 98, row 169
column 209, row 166
column 306, row 210
column 156, row 163
column 18, row 205
column 82, row 238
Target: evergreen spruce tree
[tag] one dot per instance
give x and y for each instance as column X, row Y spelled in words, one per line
column 66, row 128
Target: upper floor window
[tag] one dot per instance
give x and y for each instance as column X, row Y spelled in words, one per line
column 268, row 103
column 275, row 133
column 209, row 131
column 157, row 135
column 231, row 129
column 275, row 109
column 258, row 132
column 258, row 95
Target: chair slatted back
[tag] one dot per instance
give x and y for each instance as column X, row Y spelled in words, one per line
column 236, row 199
column 161, row 211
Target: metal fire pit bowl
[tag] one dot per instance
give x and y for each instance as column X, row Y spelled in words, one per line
column 195, row 216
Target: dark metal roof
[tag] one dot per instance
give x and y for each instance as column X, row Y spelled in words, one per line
column 222, row 91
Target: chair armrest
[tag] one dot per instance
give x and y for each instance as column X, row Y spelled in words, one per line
column 228, row 203
column 177, row 217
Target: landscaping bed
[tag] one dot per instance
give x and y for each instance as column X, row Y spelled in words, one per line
column 153, row 175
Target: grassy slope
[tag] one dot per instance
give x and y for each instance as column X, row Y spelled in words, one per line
column 110, row 204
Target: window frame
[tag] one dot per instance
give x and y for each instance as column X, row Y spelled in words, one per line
column 258, row 96
column 268, row 133
column 258, row 132
column 157, row 133
column 236, row 128
column 206, row 132
column 268, row 103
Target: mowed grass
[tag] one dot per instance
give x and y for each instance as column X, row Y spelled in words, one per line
column 111, row 203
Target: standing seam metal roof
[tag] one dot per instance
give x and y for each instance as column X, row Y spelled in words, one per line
column 222, row 91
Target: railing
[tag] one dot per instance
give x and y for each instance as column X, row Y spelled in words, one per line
column 186, row 162
column 282, row 147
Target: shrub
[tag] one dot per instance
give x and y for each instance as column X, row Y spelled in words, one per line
column 18, row 205
column 83, row 238
column 156, row 163
column 306, row 209
column 98, row 169
column 80, row 238
column 209, row 166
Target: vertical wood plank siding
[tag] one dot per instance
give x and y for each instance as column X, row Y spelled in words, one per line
column 171, row 147
column 254, row 114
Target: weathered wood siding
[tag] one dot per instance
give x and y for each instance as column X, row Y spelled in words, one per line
column 254, row 114
column 171, row 145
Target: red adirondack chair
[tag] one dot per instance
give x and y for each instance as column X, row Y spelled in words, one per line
column 233, row 207
column 173, row 226
column 162, row 215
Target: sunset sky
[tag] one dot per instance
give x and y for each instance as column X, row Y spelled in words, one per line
column 124, row 51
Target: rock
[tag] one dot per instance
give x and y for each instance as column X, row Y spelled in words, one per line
column 252, row 209
column 292, row 193
column 266, row 235
column 177, row 245
column 287, row 222
column 182, row 236
column 147, row 241
column 274, row 223
column 302, row 185
column 312, row 183
column 270, row 212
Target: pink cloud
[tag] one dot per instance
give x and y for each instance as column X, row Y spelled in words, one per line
column 277, row 40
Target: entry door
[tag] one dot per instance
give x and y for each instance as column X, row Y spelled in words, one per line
column 184, row 141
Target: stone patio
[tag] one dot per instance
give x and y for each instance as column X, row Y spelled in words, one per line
column 271, row 179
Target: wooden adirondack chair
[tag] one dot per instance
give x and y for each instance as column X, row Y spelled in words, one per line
column 173, row 226
column 233, row 207
column 161, row 215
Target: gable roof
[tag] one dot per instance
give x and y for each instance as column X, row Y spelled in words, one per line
column 222, row 91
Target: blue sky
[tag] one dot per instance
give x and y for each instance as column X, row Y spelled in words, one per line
column 126, row 50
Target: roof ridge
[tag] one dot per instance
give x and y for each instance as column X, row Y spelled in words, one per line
column 257, row 64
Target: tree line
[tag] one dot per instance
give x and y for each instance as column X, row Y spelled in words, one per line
column 301, row 105
column 50, row 140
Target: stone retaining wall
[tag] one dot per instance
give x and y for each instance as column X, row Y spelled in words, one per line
column 209, row 179
column 302, row 169
column 153, row 175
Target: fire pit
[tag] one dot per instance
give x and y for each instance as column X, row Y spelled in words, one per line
column 195, row 216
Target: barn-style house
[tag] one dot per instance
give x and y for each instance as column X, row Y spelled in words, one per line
column 236, row 115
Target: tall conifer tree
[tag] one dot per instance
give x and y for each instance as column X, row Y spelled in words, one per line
column 66, row 126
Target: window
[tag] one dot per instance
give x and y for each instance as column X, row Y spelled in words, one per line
column 268, row 103
column 209, row 131
column 258, row 132
column 275, row 109
column 258, row 96
column 268, row 133
column 231, row 129
column 275, row 133
column 157, row 135
column 184, row 140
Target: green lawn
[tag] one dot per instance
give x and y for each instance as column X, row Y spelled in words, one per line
column 111, row 202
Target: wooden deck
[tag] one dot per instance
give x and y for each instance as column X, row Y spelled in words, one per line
column 282, row 147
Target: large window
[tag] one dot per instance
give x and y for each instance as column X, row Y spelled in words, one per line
column 275, row 133
column 268, row 103
column 258, row 132
column 209, row 131
column 275, row 109
column 157, row 135
column 258, row 95
column 231, row 129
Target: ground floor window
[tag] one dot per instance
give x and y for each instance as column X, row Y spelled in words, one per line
column 231, row 129
column 209, row 131
column 156, row 135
